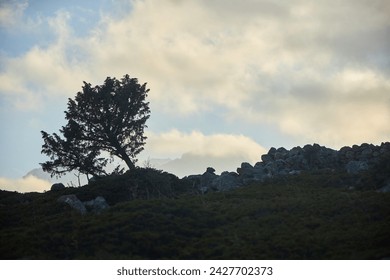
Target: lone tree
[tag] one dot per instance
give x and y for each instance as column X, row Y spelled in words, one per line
column 109, row 118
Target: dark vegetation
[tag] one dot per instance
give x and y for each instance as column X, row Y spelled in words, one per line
column 155, row 215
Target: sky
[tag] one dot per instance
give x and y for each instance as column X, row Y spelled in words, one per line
column 228, row 79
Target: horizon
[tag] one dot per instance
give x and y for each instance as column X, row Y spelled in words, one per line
column 43, row 180
column 226, row 88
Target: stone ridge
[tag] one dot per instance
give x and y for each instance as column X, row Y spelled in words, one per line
column 282, row 162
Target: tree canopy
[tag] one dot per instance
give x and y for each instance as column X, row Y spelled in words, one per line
column 104, row 122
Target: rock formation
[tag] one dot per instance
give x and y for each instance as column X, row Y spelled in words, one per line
column 96, row 205
column 57, row 187
column 282, row 162
column 73, row 202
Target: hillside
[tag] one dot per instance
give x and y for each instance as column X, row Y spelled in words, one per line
column 155, row 215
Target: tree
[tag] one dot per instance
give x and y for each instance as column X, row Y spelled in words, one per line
column 109, row 118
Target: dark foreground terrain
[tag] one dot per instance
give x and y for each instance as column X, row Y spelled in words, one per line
column 154, row 215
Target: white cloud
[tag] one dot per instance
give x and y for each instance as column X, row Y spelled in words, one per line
column 27, row 184
column 11, row 13
column 194, row 151
column 191, row 164
column 309, row 68
column 176, row 143
column 351, row 106
column 44, row 72
column 263, row 62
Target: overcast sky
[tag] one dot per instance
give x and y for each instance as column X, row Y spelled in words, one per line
column 228, row 79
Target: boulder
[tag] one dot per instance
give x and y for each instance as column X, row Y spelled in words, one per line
column 57, row 187
column 227, row 181
column 248, row 173
column 73, row 202
column 96, row 205
column 296, row 151
column 295, row 172
column 210, row 170
column 277, row 167
column 296, row 162
column 266, row 158
column 194, row 178
column 259, row 172
column 272, row 152
column 207, row 179
column 280, row 153
column 246, row 169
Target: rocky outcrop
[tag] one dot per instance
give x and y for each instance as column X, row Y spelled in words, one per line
column 57, row 187
column 282, row 162
column 227, row 181
column 96, row 205
column 73, row 202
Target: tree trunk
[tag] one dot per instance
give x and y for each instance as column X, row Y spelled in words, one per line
column 127, row 160
column 121, row 152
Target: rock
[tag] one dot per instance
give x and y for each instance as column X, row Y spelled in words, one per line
column 246, row 165
column 246, row 169
column 266, row 158
column 385, row 188
column 384, row 148
column 297, row 162
column 355, row 167
column 57, row 187
column 96, row 205
column 294, row 172
column 196, row 179
column 206, row 179
column 349, row 155
column 296, row 151
column 276, row 167
column 247, row 173
column 227, row 181
column 280, row 153
column 210, row 170
column 313, row 154
column 272, row 152
column 366, row 153
column 259, row 172
column 259, row 165
column 73, row 202
column 282, row 162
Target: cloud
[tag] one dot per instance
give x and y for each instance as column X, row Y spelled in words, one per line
column 26, row 184
column 11, row 13
column 43, row 73
column 216, row 145
column 195, row 151
column 317, row 71
column 190, row 164
column 350, row 106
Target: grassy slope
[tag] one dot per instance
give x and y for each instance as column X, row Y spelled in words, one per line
column 295, row 219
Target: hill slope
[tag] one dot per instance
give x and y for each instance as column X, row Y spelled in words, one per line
column 297, row 218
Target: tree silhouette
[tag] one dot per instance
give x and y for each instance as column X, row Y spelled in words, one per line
column 108, row 118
